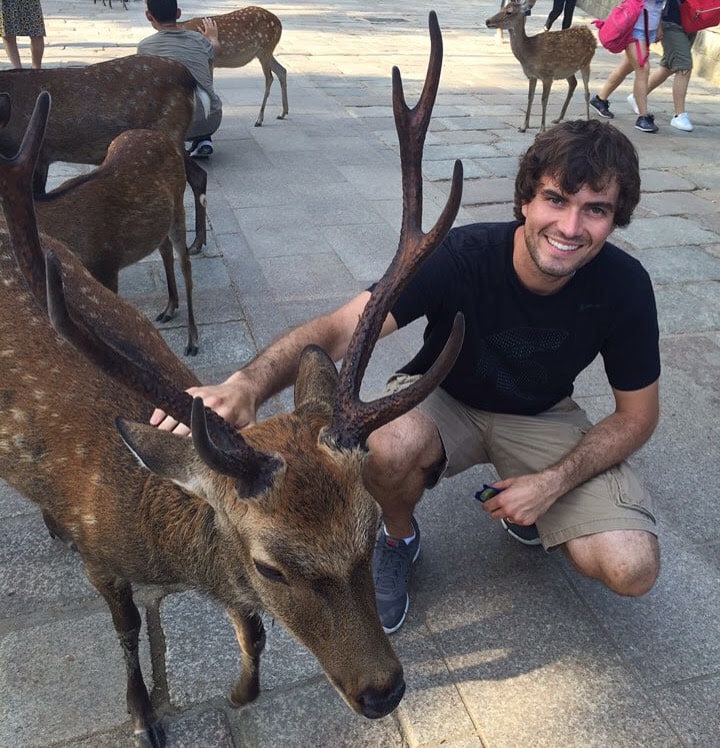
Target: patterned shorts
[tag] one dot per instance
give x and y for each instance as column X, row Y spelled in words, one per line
column 21, row 18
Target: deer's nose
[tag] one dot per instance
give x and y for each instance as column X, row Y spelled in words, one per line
column 375, row 704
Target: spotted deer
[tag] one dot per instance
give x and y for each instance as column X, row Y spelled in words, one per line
column 273, row 517
column 245, row 34
column 548, row 56
column 123, row 210
column 95, row 103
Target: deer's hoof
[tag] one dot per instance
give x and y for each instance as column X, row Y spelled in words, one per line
column 191, row 349
column 150, row 737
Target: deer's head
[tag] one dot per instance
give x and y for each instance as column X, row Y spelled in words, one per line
column 512, row 14
column 288, row 497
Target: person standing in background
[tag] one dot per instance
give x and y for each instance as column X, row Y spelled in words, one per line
column 22, row 18
column 676, row 60
column 647, row 29
column 196, row 50
column 567, row 7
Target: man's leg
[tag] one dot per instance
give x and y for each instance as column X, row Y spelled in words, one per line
column 404, row 458
column 606, row 525
column 625, row 561
column 679, row 89
column 407, row 456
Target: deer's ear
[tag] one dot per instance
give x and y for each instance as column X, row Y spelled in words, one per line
column 163, row 454
column 317, row 377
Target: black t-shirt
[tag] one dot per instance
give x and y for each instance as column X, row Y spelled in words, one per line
column 522, row 351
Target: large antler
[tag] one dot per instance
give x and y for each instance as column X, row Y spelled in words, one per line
column 352, row 419
column 123, row 343
column 16, row 180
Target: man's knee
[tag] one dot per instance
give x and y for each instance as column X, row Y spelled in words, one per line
column 625, row 561
column 409, row 444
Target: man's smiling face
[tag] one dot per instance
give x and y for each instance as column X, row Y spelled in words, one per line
column 562, row 233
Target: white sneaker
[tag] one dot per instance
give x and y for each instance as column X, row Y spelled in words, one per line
column 633, row 104
column 682, row 122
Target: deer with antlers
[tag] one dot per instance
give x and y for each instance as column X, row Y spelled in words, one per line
column 134, row 92
column 548, row 57
column 275, row 517
column 245, row 34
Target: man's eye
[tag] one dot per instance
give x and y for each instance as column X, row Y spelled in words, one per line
column 270, row 572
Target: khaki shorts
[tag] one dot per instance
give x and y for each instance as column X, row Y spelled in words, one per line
column 517, row 445
column 677, row 47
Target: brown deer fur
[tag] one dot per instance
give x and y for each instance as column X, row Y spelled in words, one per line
column 244, row 35
column 548, row 56
column 60, row 448
column 95, row 103
column 275, row 516
column 272, row 517
column 109, row 226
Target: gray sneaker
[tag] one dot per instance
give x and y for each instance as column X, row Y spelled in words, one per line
column 391, row 566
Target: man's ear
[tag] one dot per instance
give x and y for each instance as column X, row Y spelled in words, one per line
column 523, row 209
column 178, row 13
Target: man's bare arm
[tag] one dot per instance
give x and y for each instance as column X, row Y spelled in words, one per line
column 607, row 443
column 241, row 394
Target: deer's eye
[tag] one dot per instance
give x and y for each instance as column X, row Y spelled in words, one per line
column 270, row 572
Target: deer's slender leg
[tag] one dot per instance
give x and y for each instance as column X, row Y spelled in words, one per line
column 177, row 239
column 250, row 634
column 281, row 73
column 585, row 72
column 166, row 252
column 127, row 622
column 572, row 85
column 197, row 179
column 532, row 82
column 267, row 72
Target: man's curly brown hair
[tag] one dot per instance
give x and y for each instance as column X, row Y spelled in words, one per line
column 577, row 154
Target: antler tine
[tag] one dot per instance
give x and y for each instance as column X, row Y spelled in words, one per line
column 125, row 362
column 353, row 420
column 16, row 195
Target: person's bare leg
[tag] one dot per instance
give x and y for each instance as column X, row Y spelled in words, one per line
column 37, row 48
column 616, row 77
column 679, row 89
column 658, row 77
column 403, row 454
column 642, row 76
column 11, row 50
column 625, row 561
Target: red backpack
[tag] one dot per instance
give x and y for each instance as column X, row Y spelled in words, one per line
column 615, row 32
column 699, row 14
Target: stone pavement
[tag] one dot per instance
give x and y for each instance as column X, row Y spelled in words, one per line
column 504, row 646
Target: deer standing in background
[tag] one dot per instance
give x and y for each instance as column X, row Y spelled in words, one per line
column 273, row 517
column 244, row 35
column 124, row 210
column 548, row 56
column 95, row 103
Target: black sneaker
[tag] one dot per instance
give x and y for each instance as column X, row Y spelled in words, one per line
column 646, row 123
column 201, row 149
column 525, row 534
column 391, row 565
column 602, row 107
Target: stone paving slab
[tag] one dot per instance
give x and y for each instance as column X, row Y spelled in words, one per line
column 504, row 645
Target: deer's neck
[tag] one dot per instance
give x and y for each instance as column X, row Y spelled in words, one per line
column 518, row 39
